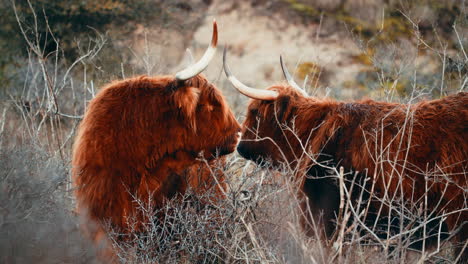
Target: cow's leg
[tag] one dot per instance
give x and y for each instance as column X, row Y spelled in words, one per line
column 323, row 203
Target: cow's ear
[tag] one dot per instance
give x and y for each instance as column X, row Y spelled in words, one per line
column 186, row 100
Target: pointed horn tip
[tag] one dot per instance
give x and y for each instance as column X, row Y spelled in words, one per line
column 227, row 71
column 290, row 79
column 214, row 39
column 200, row 65
column 286, row 74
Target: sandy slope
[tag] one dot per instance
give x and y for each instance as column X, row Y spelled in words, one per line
column 255, row 44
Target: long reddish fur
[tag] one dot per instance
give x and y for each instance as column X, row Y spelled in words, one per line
column 140, row 138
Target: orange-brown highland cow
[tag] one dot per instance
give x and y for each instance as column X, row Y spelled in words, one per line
column 141, row 138
column 415, row 154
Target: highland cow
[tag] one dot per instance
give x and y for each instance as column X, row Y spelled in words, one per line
column 414, row 152
column 142, row 138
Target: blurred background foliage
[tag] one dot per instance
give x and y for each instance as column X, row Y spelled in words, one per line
column 70, row 21
column 384, row 19
column 374, row 24
column 73, row 20
column 76, row 23
column 383, row 28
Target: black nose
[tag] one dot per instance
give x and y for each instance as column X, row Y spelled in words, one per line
column 253, row 153
column 242, row 149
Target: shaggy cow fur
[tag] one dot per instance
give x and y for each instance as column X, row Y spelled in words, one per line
column 141, row 137
column 388, row 142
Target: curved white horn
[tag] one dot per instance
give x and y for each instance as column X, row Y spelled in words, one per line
column 244, row 89
column 198, row 67
column 290, row 80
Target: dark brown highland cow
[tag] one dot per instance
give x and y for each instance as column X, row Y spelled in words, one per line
column 141, row 137
column 417, row 152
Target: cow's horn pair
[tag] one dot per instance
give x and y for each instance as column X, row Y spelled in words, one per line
column 201, row 65
column 257, row 93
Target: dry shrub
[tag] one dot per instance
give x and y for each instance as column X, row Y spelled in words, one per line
column 259, row 222
column 36, row 222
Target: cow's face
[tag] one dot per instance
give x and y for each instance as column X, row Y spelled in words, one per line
column 267, row 129
column 268, row 132
column 215, row 129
